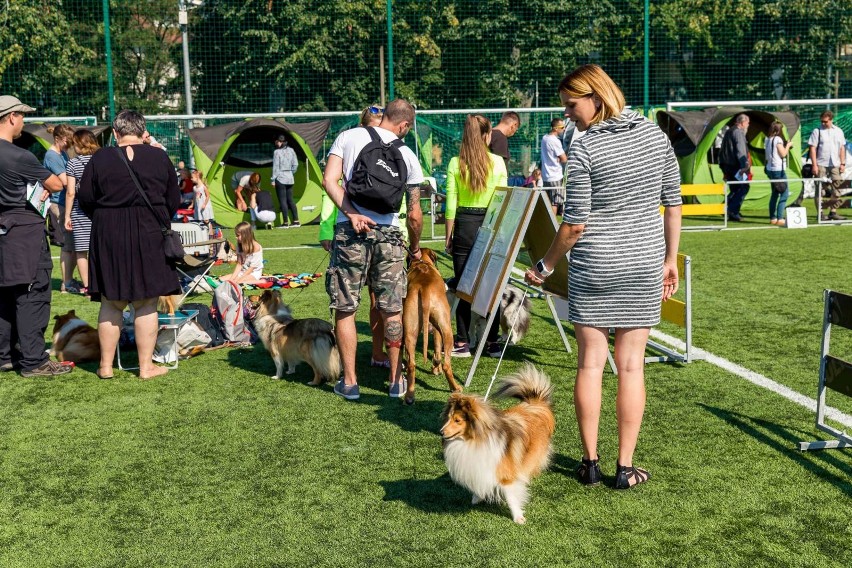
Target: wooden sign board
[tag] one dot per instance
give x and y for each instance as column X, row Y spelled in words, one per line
column 516, row 216
column 496, row 247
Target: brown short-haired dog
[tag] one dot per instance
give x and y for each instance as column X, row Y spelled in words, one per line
column 427, row 296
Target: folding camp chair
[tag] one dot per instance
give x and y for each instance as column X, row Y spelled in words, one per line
column 201, row 253
column 834, row 373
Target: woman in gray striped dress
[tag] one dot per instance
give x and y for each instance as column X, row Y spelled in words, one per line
column 78, row 223
column 623, row 254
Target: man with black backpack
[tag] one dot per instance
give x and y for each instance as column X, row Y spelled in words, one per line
column 378, row 170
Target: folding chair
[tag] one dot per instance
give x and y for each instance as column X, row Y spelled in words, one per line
column 201, row 253
column 834, row 373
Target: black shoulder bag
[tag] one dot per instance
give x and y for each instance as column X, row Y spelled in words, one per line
column 172, row 246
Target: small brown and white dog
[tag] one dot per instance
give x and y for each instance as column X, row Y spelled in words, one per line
column 495, row 453
column 74, row 339
column 291, row 340
column 426, row 303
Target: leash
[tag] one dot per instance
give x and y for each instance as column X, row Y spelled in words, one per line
column 321, row 262
column 505, row 345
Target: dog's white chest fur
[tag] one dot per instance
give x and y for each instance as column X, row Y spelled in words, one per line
column 474, row 465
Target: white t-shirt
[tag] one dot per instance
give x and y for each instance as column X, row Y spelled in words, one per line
column 774, row 161
column 551, row 149
column 827, row 142
column 349, row 144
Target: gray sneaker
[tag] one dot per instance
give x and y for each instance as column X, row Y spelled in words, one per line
column 397, row 390
column 48, row 369
column 349, row 392
column 6, row 367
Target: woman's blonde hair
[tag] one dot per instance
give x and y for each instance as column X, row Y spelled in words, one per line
column 61, row 130
column 590, row 80
column 84, row 142
column 245, row 238
column 369, row 113
column 474, row 160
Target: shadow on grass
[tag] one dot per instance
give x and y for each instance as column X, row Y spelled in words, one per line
column 785, row 441
column 439, row 495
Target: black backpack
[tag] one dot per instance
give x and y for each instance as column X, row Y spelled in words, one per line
column 209, row 322
column 379, row 176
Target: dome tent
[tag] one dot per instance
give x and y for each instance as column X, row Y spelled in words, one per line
column 222, row 151
column 36, row 138
column 695, row 136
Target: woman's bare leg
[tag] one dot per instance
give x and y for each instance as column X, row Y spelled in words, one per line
column 146, row 327
column 109, row 331
column 630, row 402
column 592, row 348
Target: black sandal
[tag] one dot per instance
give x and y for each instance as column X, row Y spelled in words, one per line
column 625, row 474
column 589, row 471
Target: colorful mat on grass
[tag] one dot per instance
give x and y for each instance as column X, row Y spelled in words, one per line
column 279, row 281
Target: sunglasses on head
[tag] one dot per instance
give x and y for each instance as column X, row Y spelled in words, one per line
column 376, row 110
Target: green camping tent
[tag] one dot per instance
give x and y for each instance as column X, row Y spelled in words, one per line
column 697, row 135
column 36, row 138
column 221, row 152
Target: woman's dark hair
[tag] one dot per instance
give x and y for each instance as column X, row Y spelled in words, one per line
column 129, row 123
column 775, row 129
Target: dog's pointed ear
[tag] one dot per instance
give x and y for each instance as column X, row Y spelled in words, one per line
column 72, row 313
column 56, row 317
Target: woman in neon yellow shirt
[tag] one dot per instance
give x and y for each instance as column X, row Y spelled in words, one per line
column 471, row 179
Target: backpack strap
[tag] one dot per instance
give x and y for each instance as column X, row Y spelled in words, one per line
column 374, row 136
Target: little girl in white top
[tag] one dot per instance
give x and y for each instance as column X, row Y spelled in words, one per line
column 249, row 266
column 203, row 210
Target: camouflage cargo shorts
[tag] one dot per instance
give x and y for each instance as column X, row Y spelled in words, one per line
column 376, row 257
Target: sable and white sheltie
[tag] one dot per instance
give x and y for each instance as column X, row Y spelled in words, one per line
column 495, row 453
column 74, row 339
column 290, row 340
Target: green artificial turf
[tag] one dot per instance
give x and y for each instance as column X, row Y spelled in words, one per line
column 216, row 464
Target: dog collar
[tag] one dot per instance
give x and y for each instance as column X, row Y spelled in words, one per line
column 71, row 325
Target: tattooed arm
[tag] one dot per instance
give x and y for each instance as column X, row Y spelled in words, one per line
column 413, row 219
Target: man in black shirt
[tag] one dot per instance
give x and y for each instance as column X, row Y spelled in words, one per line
column 25, row 263
column 500, row 134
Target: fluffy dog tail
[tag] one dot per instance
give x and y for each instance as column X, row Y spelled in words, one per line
column 325, row 356
column 529, row 385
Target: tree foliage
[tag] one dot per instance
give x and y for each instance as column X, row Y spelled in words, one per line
column 300, row 55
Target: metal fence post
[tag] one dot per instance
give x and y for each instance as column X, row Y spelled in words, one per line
column 108, row 49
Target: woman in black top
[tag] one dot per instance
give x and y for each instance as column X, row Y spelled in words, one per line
column 126, row 259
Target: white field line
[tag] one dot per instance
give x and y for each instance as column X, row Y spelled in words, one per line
column 750, row 376
column 756, row 378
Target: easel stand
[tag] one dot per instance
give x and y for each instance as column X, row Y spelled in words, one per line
column 489, row 266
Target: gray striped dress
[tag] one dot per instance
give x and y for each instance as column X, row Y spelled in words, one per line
column 81, row 225
column 619, row 173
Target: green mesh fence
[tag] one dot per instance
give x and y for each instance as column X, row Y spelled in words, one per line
column 271, row 56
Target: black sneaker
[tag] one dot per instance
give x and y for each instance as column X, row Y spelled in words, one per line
column 833, row 216
column 48, row 369
column 461, row 350
column 494, row 349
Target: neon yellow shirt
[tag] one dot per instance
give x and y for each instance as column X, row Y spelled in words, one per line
column 459, row 195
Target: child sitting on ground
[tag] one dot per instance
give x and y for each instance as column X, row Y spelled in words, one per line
column 249, row 268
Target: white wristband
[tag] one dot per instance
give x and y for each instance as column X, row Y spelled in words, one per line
column 542, row 269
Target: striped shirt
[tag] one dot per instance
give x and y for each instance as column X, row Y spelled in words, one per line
column 619, row 173
column 81, row 225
